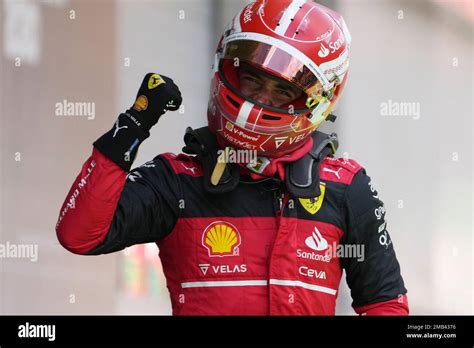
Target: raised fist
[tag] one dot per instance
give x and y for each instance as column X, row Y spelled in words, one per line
column 157, row 94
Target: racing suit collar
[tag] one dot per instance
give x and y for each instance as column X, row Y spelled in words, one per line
column 299, row 169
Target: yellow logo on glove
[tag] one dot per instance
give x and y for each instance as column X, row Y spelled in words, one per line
column 154, row 81
column 312, row 205
column 141, row 103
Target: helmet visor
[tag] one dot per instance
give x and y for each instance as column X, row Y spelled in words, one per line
column 275, row 61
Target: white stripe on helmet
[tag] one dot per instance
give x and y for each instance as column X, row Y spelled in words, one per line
column 244, row 113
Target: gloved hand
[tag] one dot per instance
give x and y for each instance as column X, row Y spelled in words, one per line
column 157, row 94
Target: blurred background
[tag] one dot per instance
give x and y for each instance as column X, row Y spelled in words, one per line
column 417, row 53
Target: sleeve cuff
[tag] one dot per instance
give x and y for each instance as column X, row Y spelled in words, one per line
column 395, row 306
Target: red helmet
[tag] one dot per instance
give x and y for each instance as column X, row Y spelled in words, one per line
column 297, row 41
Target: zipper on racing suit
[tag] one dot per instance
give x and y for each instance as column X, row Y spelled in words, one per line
column 281, row 198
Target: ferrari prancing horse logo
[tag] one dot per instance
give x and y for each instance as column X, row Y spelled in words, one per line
column 154, row 81
column 312, row 205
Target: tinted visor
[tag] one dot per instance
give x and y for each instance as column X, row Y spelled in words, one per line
column 274, row 61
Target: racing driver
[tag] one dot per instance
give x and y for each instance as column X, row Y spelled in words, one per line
column 269, row 235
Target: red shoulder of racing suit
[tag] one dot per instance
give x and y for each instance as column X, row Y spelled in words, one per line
column 340, row 170
column 183, row 163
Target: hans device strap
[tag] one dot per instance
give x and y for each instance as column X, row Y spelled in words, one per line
column 302, row 176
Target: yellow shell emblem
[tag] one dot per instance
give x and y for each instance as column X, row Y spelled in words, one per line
column 221, row 239
column 312, row 205
column 141, row 103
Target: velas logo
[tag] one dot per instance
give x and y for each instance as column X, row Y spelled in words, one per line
column 154, row 81
column 222, row 269
column 204, row 267
column 221, row 239
column 316, row 241
column 312, row 205
column 279, row 141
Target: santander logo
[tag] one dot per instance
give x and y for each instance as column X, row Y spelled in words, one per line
column 333, row 47
column 323, row 51
column 316, row 241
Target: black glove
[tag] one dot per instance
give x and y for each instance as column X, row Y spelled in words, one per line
column 157, row 94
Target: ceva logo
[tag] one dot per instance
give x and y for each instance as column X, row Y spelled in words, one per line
column 316, row 241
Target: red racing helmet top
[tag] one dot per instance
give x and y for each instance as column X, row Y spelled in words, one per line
column 293, row 42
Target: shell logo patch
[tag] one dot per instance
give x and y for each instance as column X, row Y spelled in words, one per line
column 154, row 81
column 312, row 205
column 141, row 103
column 221, row 239
column 229, row 126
